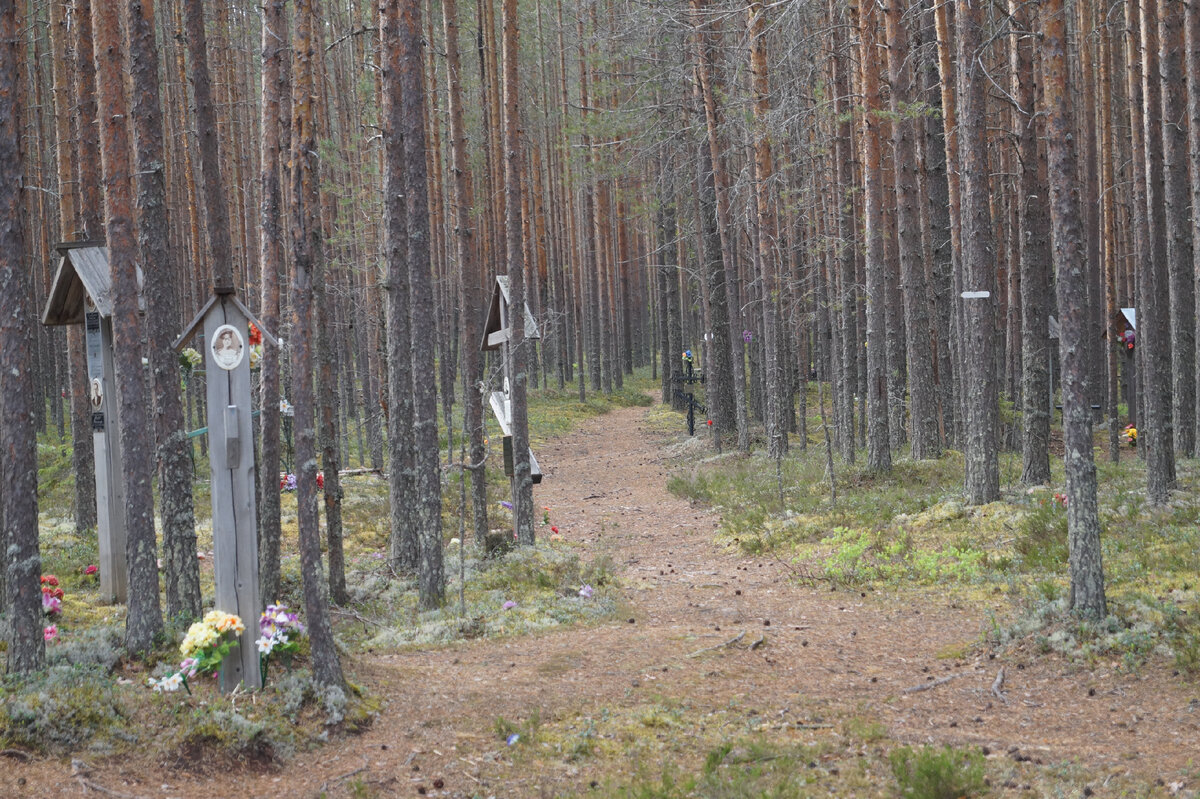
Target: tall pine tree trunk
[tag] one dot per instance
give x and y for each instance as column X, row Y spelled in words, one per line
column 18, row 431
column 1083, row 524
column 926, row 440
column 271, row 264
column 1034, row 260
column 1154, row 317
column 180, row 566
column 879, row 453
column 768, row 246
column 404, row 548
column 144, row 619
column 426, row 461
column 306, row 246
column 522, row 483
column 85, row 226
column 1178, row 230
column 978, row 263
column 473, row 299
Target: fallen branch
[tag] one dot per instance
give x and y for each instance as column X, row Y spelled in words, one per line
column 325, row 786
column 355, row 615
column 731, row 642
column 998, row 685
column 353, row 472
column 762, row 639
column 16, row 754
column 925, row 686
column 88, row 785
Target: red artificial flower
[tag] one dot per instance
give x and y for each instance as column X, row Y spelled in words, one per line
column 255, row 334
column 554, row 529
column 49, row 579
column 709, row 422
column 320, row 480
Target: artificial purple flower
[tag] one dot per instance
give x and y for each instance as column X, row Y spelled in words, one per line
column 586, row 592
column 509, row 605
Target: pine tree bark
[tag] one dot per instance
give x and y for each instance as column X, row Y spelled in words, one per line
column 843, row 148
column 935, row 229
column 473, row 299
column 879, row 453
column 18, row 432
column 1178, row 230
column 1083, row 524
column 426, row 461
column 1154, row 319
column 522, row 498
column 768, row 246
column 144, row 619
column 404, row 547
column 978, row 262
column 1108, row 202
column 926, row 440
column 330, row 434
column 181, row 569
column 1139, row 265
column 720, row 382
column 1034, row 259
column 84, row 225
column 216, row 210
column 707, row 38
column 306, row 246
column 952, row 310
column 271, row 264
column 1192, row 66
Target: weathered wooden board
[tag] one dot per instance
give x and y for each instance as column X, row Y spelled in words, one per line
column 235, row 544
column 106, row 445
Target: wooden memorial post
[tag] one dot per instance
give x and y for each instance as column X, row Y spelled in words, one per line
column 224, row 323
column 82, row 293
column 497, row 335
column 1129, row 342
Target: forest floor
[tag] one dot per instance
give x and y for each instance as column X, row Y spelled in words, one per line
column 722, row 674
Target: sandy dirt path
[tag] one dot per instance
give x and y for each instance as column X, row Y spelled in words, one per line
column 825, row 655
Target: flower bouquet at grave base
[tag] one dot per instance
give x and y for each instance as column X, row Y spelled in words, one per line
column 52, row 595
column 204, row 647
column 280, row 633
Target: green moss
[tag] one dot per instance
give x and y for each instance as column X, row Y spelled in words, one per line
column 61, row 710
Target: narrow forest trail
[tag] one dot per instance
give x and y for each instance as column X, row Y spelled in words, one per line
column 827, row 656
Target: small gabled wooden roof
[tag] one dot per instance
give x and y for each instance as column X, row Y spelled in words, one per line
column 82, row 271
column 493, row 319
column 198, row 322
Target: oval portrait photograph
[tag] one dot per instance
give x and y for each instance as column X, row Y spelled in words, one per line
column 228, row 348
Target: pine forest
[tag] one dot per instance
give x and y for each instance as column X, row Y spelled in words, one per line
column 658, row 398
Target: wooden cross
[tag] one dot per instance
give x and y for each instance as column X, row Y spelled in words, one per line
column 225, row 322
column 82, row 293
column 498, row 335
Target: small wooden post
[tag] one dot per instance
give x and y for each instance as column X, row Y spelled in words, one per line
column 226, row 349
column 106, row 445
column 81, row 293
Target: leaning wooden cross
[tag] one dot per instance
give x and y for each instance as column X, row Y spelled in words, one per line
column 497, row 335
column 82, row 293
column 225, row 323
